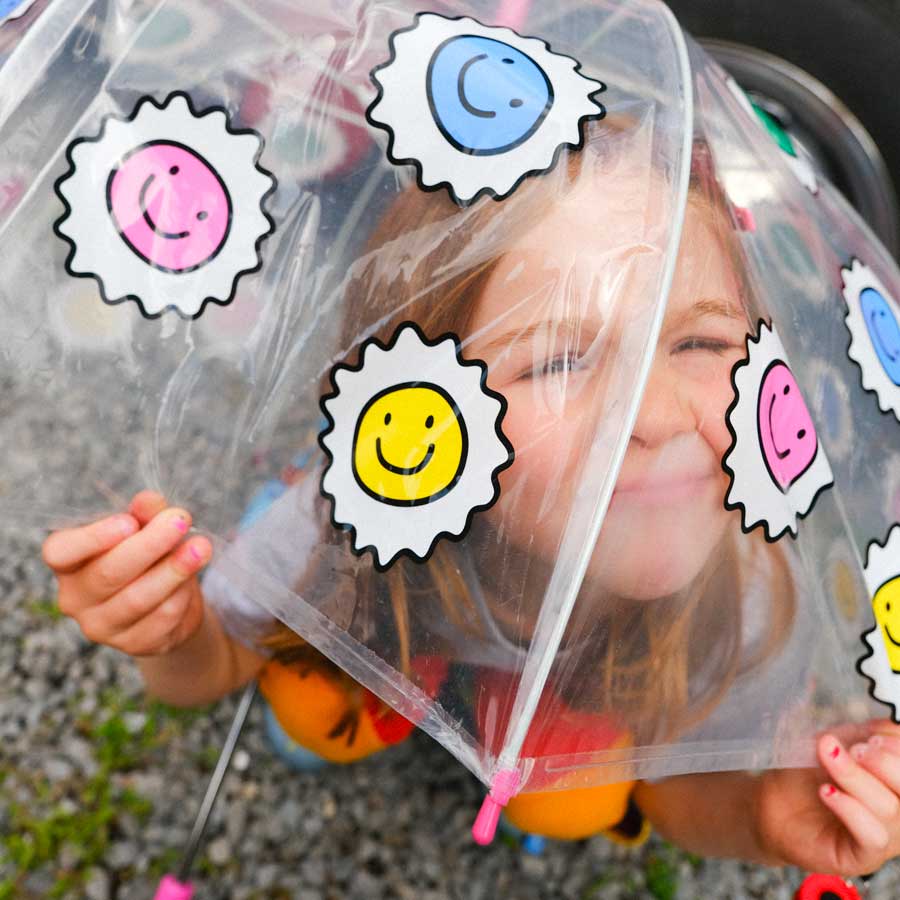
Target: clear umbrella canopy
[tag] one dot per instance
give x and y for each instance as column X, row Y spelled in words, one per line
column 593, row 379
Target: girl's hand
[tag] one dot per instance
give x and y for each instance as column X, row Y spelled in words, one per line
column 845, row 819
column 130, row 580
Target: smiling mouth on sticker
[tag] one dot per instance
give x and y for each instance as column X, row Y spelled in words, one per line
column 887, row 631
column 142, row 202
column 463, row 97
column 781, row 454
column 400, row 470
column 469, row 107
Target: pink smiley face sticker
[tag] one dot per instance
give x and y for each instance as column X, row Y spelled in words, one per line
column 787, row 435
column 170, row 206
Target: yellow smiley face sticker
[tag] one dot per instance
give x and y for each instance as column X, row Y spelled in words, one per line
column 886, row 606
column 881, row 662
column 414, row 442
column 410, row 444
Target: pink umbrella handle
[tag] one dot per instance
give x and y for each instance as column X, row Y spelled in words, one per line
column 170, row 888
column 512, row 13
column 503, row 789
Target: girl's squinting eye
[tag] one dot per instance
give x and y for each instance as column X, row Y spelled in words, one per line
column 711, row 345
column 567, row 362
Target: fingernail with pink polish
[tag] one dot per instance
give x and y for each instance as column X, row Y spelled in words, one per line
column 829, row 790
column 858, row 751
column 181, row 523
column 195, row 554
column 835, row 751
column 125, row 525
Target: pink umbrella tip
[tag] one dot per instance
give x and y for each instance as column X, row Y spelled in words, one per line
column 170, row 888
column 502, row 790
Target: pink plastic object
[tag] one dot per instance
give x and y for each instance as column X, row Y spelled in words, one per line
column 826, row 887
column 170, row 888
column 745, row 218
column 502, row 791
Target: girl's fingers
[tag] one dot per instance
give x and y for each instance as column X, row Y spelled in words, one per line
column 126, row 562
column 191, row 620
column 850, row 733
column 66, row 550
column 884, row 727
column 855, row 781
column 889, row 743
column 864, row 826
column 145, row 505
column 156, row 633
column 134, row 602
column 881, row 756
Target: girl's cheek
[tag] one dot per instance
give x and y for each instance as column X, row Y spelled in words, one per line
column 546, row 444
column 706, row 379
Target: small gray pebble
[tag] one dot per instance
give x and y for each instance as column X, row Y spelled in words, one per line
column 97, row 885
column 219, row 851
column 57, row 769
column 121, row 855
column 266, row 875
column 134, row 722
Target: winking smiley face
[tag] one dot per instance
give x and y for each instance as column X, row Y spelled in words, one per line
column 170, row 206
column 165, row 207
column 477, row 108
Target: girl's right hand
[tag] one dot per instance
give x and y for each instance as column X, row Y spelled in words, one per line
column 130, row 580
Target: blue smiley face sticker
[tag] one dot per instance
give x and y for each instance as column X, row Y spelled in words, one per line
column 883, row 330
column 477, row 108
column 486, row 96
column 873, row 319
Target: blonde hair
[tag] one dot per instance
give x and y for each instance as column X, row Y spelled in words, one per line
column 662, row 665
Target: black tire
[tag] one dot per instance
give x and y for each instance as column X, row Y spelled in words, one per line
column 851, row 46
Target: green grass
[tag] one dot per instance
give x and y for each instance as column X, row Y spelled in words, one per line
column 44, row 609
column 662, row 876
column 661, row 863
column 661, row 866
column 206, row 758
column 84, row 813
column 591, row 888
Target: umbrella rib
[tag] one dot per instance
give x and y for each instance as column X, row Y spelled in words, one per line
column 554, row 621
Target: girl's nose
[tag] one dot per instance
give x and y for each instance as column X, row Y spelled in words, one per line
column 665, row 411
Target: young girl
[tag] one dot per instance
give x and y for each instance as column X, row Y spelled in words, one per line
column 709, row 618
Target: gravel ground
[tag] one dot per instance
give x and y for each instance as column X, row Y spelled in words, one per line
column 98, row 791
column 395, row 826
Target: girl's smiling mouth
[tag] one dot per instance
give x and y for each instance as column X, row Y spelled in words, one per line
column 662, row 488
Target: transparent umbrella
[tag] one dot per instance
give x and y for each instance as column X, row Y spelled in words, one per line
column 598, row 382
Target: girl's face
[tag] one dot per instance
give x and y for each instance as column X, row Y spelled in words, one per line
column 551, row 325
